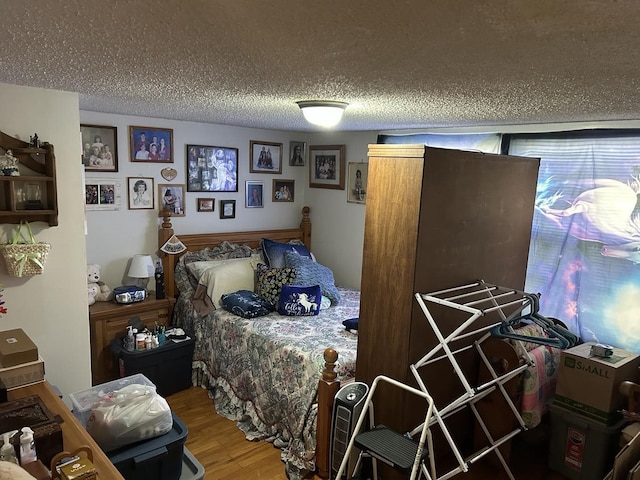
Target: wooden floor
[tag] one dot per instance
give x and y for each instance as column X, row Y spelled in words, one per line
column 226, row 455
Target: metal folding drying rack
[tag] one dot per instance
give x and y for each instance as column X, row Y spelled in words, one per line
column 496, row 305
column 478, row 300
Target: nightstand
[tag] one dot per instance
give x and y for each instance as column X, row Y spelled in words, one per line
column 109, row 320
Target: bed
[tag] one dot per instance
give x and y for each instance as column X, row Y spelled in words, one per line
column 275, row 375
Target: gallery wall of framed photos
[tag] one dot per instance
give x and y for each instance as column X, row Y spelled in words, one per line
column 107, row 223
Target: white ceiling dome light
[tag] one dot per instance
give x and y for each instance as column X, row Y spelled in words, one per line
column 324, row 113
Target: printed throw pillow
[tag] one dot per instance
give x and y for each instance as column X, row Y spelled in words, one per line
column 271, row 280
column 274, row 252
column 309, row 272
column 246, row 304
column 298, row 301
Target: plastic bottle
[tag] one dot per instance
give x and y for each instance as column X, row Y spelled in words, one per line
column 7, row 452
column 27, row 447
column 130, row 342
column 140, row 338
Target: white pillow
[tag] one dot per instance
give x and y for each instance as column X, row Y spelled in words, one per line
column 197, row 268
column 228, row 277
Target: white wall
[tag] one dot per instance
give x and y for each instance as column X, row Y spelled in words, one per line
column 52, row 308
column 337, row 226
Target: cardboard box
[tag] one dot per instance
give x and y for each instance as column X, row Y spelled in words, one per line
column 16, row 347
column 22, row 374
column 589, row 386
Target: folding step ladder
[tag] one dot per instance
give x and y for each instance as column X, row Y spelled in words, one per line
column 381, row 443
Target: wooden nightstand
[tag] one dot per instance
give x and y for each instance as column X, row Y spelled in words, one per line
column 109, row 320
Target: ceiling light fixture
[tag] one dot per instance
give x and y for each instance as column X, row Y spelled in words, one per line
column 324, row 113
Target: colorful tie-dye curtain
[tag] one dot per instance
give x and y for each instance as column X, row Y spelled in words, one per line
column 584, row 257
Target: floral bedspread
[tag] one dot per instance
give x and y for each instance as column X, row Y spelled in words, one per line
column 264, row 372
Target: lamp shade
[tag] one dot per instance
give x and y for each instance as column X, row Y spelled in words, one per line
column 323, row 113
column 141, row 266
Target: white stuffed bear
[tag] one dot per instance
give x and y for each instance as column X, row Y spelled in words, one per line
column 102, row 291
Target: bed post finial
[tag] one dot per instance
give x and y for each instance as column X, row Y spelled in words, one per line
column 305, row 226
column 328, row 386
column 330, row 357
column 166, row 218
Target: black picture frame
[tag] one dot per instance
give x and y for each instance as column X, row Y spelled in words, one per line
column 141, row 193
column 227, row 209
column 212, row 169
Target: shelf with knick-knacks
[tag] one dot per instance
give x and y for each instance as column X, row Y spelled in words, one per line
column 27, row 181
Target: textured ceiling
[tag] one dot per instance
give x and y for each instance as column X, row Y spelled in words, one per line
column 399, row 64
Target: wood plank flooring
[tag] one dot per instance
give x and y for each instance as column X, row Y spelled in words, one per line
column 220, row 446
column 226, row 455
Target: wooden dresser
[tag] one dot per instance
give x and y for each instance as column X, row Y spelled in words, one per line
column 464, row 216
column 73, row 433
column 109, row 320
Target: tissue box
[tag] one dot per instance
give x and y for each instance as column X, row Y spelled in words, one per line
column 16, row 348
column 81, row 469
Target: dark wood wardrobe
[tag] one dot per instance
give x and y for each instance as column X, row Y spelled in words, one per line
column 435, row 219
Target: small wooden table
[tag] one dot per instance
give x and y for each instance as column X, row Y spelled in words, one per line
column 74, row 434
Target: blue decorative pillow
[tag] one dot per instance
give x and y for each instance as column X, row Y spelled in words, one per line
column 351, row 324
column 246, row 304
column 274, row 252
column 309, row 272
column 296, row 300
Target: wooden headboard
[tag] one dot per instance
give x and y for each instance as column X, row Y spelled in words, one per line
column 198, row 241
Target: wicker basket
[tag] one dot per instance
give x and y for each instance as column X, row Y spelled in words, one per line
column 25, row 259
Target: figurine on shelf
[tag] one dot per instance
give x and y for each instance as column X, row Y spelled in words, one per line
column 9, row 165
column 34, row 141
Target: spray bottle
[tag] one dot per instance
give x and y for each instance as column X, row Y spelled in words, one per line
column 7, row 452
column 27, row 447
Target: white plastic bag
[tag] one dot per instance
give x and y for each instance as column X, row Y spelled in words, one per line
column 133, row 413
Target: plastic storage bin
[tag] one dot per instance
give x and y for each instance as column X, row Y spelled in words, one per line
column 579, row 448
column 83, row 401
column 159, row 458
column 167, row 366
column 191, row 468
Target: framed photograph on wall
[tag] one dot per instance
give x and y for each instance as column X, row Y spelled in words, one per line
column 283, row 190
column 358, row 174
column 102, row 194
column 254, row 194
column 297, row 153
column 171, row 197
column 206, row 204
column 99, row 148
column 151, row 144
column 212, row 169
column 266, row 157
column 227, row 209
column 140, row 193
column 326, row 166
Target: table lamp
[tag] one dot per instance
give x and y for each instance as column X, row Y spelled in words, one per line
column 142, row 269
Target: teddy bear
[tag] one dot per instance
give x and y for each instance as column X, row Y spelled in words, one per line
column 98, row 291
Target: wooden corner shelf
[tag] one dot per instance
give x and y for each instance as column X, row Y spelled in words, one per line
column 32, row 195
